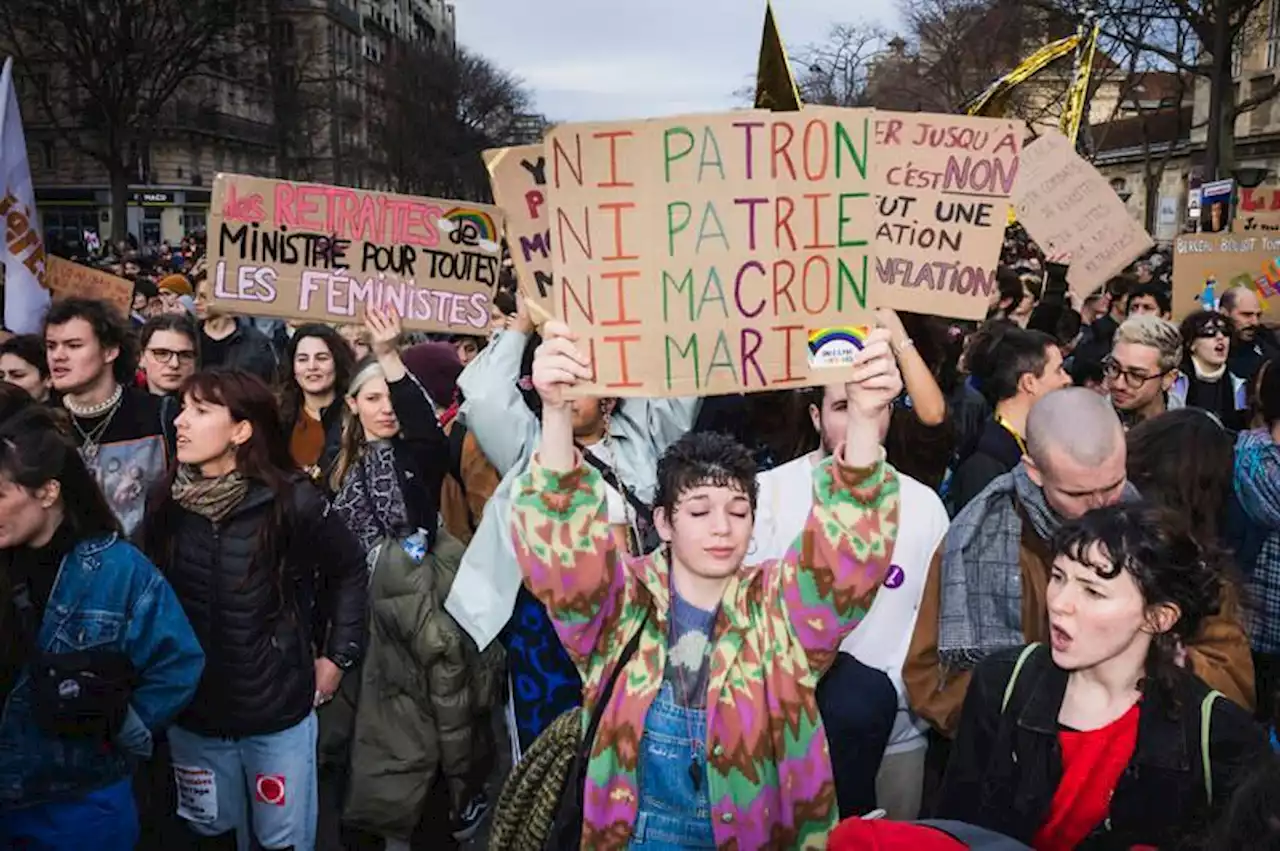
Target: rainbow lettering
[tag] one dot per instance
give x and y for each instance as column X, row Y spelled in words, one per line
column 482, row 223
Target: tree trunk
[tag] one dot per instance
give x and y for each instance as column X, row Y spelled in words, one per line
column 1220, row 84
column 119, row 202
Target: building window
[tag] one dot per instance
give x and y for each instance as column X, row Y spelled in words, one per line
column 1237, row 58
column 1273, row 35
column 194, row 219
column 48, row 154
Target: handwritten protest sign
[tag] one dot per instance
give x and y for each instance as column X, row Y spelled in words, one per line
column 307, row 251
column 71, row 280
column 1068, row 207
column 519, row 178
column 943, row 185
column 714, row 254
column 1232, row 260
column 1259, row 210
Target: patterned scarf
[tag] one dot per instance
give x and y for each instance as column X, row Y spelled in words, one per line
column 981, row 608
column 210, row 498
column 370, row 500
column 1256, row 483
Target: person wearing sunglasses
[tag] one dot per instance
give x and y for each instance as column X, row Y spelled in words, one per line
column 1205, row 381
column 1142, row 366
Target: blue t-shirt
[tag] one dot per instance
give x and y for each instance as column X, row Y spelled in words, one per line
column 688, row 652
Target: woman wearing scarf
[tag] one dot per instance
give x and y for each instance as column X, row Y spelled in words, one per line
column 255, row 557
column 425, row 690
column 1253, row 530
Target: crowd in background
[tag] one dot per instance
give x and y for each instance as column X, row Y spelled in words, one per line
column 1021, row 575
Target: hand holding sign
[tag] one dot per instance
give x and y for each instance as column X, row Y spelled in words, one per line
column 875, row 381
column 558, row 365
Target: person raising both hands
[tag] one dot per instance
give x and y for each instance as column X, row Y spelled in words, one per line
column 721, row 659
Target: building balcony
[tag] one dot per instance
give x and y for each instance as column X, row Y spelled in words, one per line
column 222, row 125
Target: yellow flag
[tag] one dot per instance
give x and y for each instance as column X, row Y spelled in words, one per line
column 775, row 84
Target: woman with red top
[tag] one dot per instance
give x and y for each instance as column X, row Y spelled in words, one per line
column 1102, row 740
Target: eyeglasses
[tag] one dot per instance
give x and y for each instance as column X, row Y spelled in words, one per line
column 1133, row 378
column 186, row 358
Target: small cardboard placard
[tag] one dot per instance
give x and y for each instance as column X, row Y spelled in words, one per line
column 712, row 254
column 322, row 253
column 1069, row 208
column 944, row 188
column 518, row 177
column 71, row 280
column 1232, row 260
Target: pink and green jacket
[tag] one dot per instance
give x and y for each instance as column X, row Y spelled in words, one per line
column 779, row 628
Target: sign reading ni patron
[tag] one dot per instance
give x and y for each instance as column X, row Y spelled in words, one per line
column 323, row 253
column 714, row 254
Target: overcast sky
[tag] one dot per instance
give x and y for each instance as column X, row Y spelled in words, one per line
column 614, row 59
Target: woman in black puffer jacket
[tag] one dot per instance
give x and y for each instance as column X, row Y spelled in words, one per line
column 253, row 553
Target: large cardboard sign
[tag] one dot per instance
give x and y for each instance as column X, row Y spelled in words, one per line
column 714, row 254
column 943, row 185
column 71, row 280
column 1069, row 208
column 1232, row 260
column 518, row 177
column 309, row 251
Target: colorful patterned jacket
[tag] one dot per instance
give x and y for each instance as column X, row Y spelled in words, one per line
column 779, row 627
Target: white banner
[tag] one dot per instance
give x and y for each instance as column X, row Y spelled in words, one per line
column 25, row 297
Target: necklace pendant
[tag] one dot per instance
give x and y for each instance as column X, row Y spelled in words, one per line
column 695, row 773
column 90, row 452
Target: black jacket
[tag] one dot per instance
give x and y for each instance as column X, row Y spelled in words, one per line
column 249, row 350
column 260, row 640
column 1005, row 766
column 1246, row 358
column 996, row 453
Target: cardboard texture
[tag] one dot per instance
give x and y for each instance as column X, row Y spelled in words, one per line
column 944, row 185
column 322, row 253
column 1232, row 260
column 71, row 280
column 1259, row 210
column 1069, row 208
column 518, row 178
column 699, row 255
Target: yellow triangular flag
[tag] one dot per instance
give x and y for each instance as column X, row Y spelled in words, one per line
column 775, row 84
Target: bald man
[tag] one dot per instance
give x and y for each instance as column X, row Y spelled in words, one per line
column 1253, row 343
column 987, row 583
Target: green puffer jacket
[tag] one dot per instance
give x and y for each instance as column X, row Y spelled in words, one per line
column 426, row 694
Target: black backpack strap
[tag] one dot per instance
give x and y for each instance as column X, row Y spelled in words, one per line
column 643, row 511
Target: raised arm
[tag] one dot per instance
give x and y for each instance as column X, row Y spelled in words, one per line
column 559, row 516
column 927, row 401
column 414, row 408
column 831, row 574
column 493, row 407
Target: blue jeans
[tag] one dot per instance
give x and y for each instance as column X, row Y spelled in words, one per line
column 674, row 814
column 102, row 820
column 262, row 787
column 858, row 705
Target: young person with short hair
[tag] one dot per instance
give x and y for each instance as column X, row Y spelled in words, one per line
column 1142, row 367
column 1103, row 739
column 169, row 352
column 712, row 737
column 23, row 362
column 122, row 432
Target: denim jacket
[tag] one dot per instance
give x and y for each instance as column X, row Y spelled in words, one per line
column 107, row 597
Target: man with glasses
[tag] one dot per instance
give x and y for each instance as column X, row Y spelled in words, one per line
column 1142, row 367
column 169, row 356
column 1253, row 343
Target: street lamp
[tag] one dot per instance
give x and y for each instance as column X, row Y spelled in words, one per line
column 1119, row 186
column 1250, row 177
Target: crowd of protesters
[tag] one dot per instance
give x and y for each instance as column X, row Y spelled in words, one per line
column 1016, row 584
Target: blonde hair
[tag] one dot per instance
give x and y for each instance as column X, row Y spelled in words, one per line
column 1159, row 334
column 351, row 447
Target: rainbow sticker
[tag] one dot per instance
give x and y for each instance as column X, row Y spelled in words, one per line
column 836, row 346
column 482, row 226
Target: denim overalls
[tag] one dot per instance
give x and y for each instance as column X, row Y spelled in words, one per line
column 675, row 813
